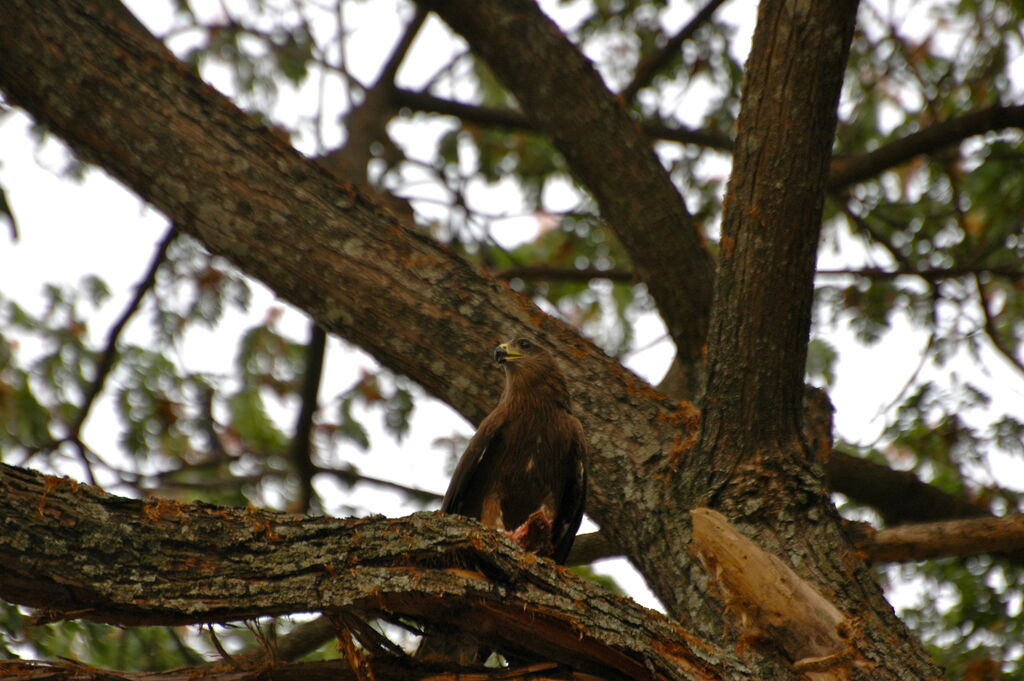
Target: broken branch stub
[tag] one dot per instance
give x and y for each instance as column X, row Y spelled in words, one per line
column 772, row 601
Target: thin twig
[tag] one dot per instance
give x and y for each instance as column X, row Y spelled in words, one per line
column 302, row 441
column 515, row 120
column 652, row 63
column 109, row 355
column 990, row 327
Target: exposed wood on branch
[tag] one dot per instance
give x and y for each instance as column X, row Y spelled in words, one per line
column 773, row 602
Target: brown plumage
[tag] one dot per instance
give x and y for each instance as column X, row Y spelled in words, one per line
column 528, row 457
column 524, row 471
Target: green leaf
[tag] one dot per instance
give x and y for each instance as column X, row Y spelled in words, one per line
column 250, row 420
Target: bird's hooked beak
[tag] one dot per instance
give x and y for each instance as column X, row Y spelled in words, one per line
column 506, row 353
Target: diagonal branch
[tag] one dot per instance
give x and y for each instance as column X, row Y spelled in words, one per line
column 993, row 333
column 593, row 131
column 854, row 169
column 652, row 63
column 108, row 356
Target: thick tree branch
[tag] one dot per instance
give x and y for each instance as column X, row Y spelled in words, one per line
column 218, row 564
column 900, row 497
column 596, row 135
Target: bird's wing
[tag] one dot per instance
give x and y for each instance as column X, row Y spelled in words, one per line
column 574, row 497
column 487, row 439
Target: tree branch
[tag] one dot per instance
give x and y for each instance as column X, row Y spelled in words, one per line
column 757, row 344
column 515, row 120
column 594, row 132
column 656, row 61
column 845, row 170
column 900, row 497
column 302, row 440
column 548, row 272
column 853, row 169
column 109, row 354
column 902, row 543
column 948, row 538
column 218, row 564
column 563, row 273
column 995, row 336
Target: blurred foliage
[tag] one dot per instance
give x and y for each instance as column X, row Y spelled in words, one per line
column 933, row 247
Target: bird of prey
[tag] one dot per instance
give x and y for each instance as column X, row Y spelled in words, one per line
column 525, row 470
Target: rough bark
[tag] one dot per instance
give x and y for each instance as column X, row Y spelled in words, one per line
column 75, row 551
column 752, row 461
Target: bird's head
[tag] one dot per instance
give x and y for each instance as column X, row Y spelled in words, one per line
column 531, row 372
column 519, row 352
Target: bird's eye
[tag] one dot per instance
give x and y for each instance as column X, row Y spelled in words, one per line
column 525, row 344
